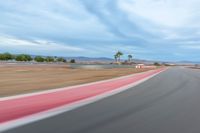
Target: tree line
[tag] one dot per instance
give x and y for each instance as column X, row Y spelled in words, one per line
column 26, row 57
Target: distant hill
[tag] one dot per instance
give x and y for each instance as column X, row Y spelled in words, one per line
column 188, row 62
column 100, row 59
column 109, row 60
column 105, row 60
column 90, row 59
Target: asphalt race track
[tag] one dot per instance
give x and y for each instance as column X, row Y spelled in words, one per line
column 166, row 103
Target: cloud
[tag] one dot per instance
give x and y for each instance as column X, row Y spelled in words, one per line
column 38, row 46
column 191, row 47
column 151, row 29
column 168, row 13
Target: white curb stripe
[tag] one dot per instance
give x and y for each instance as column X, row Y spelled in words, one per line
column 58, row 110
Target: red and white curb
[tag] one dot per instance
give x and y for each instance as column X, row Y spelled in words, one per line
column 23, row 109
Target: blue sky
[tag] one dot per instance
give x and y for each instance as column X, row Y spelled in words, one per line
column 167, row 30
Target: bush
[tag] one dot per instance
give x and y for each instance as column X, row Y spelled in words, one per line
column 6, row 56
column 39, row 59
column 49, row 59
column 23, row 57
column 61, row 60
column 156, row 64
column 72, row 61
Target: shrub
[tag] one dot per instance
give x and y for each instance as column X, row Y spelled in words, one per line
column 6, row 56
column 156, row 64
column 23, row 57
column 72, row 61
column 49, row 59
column 61, row 59
column 39, row 59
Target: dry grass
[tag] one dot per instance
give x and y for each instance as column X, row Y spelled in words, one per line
column 24, row 79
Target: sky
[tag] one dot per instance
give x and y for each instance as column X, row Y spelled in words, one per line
column 165, row 30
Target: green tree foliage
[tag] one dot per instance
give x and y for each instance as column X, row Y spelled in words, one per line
column 60, row 59
column 49, row 59
column 72, row 61
column 6, row 56
column 156, row 64
column 39, row 59
column 118, row 56
column 130, row 57
column 23, row 57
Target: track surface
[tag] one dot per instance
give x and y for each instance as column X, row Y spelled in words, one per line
column 13, row 108
column 167, row 103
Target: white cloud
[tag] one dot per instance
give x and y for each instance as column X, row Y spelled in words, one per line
column 62, row 18
column 191, row 47
column 37, row 45
column 146, row 28
column 169, row 13
column 10, row 41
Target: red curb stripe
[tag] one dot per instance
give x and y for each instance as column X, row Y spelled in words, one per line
column 12, row 109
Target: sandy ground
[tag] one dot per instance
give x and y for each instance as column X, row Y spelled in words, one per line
column 17, row 79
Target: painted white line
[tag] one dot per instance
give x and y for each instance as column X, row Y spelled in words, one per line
column 67, row 88
column 55, row 111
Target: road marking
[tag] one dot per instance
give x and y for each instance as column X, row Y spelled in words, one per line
column 67, row 88
column 61, row 109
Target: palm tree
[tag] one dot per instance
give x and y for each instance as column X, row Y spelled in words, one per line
column 130, row 57
column 119, row 54
column 116, row 58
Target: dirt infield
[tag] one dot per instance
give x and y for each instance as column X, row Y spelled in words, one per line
column 17, row 79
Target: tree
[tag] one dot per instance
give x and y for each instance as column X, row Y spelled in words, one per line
column 116, row 58
column 130, row 57
column 49, row 59
column 156, row 64
column 60, row 59
column 23, row 57
column 39, row 59
column 2, row 57
column 64, row 60
column 118, row 55
column 6, row 56
column 72, row 61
